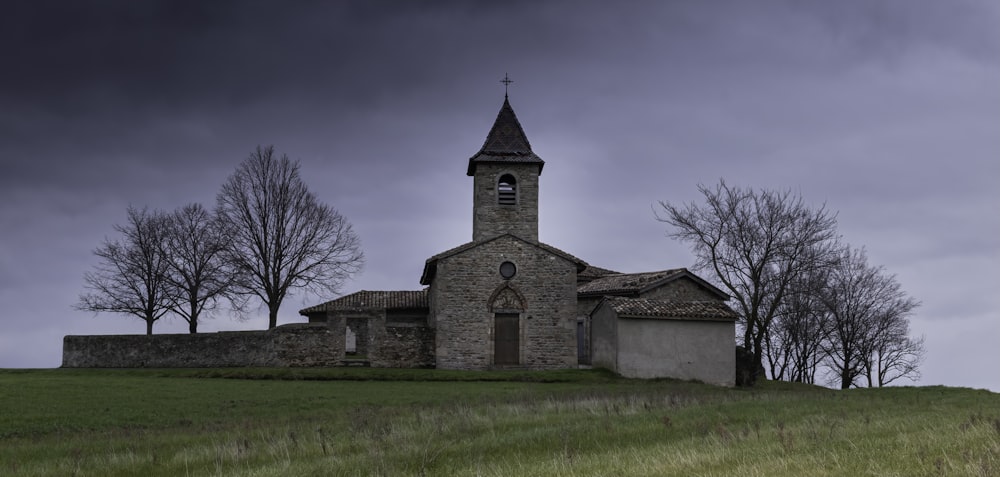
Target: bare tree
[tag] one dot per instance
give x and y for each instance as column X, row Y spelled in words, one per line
column 897, row 356
column 279, row 235
column 890, row 353
column 867, row 308
column 131, row 277
column 794, row 345
column 194, row 245
column 755, row 242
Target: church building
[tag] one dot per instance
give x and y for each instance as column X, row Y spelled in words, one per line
column 504, row 300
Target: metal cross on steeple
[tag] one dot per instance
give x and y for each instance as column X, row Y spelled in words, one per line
column 506, row 82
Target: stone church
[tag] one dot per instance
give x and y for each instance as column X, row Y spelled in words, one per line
column 507, row 301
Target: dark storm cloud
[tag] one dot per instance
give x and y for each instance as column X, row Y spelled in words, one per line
column 82, row 56
column 79, row 55
column 101, row 86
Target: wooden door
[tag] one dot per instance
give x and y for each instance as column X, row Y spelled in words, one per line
column 506, row 338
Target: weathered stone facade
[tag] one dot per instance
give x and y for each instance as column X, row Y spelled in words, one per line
column 489, row 217
column 681, row 290
column 468, row 291
column 380, row 341
column 288, row 346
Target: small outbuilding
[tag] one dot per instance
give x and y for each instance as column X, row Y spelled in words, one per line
column 650, row 338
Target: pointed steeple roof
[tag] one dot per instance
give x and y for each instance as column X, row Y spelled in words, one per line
column 506, row 143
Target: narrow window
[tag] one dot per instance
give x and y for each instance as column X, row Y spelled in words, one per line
column 507, row 190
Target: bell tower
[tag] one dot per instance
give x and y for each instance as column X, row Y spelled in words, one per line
column 505, row 181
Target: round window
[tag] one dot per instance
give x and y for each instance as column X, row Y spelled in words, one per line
column 507, row 270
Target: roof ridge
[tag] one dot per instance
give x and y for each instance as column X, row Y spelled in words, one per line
column 368, row 299
column 671, row 309
column 430, row 263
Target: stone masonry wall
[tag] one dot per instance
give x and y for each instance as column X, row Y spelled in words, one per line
column 460, row 297
column 405, row 347
column 683, row 289
column 288, row 345
column 387, row 346
column 489, row 218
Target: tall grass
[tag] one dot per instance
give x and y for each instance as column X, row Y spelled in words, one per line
column 168, row 423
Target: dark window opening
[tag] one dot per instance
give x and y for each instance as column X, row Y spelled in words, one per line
column 507, row 190
column 507, row 270
column 356, row 338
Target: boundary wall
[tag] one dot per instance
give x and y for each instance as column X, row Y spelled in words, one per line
column 292, row 345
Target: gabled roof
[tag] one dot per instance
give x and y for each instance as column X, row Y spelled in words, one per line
column 506, row 143
column 430, row 267
column 369, row 300
column 637, row 283
column 592, row 272
column 662, row 309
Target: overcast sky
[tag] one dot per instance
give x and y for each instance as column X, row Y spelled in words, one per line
column 886, row 111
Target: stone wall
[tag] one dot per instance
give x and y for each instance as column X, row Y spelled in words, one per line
column 460, row 301
column 683, row 289
column 489, row 218
column 288, row 345
column 405, row 347
column 385, row 344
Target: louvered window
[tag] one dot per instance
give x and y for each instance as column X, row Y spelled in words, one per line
column 507, row 190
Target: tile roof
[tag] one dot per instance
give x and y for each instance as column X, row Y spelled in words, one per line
column 368, row 300
column 592, row 272
column 662, row 309
column 505, row 143
column 430, row 266
column 626, row 282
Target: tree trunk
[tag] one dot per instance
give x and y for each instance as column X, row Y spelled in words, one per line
column 758, row 360
column 272, row 317
column 846, row 374
column 193, row 321
column 149, row 327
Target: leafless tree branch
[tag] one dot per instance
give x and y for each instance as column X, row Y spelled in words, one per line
column 756, row 243
column 280, row 237
column 197, row 278
column 131, row 277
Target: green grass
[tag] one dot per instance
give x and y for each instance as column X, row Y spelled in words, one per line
column 426, row 422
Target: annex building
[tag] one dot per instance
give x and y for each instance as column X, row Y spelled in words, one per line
column 504, row 300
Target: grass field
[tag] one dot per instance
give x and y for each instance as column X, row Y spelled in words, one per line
column 263, row 422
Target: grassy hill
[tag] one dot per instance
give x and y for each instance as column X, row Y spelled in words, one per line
column 423, row 422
